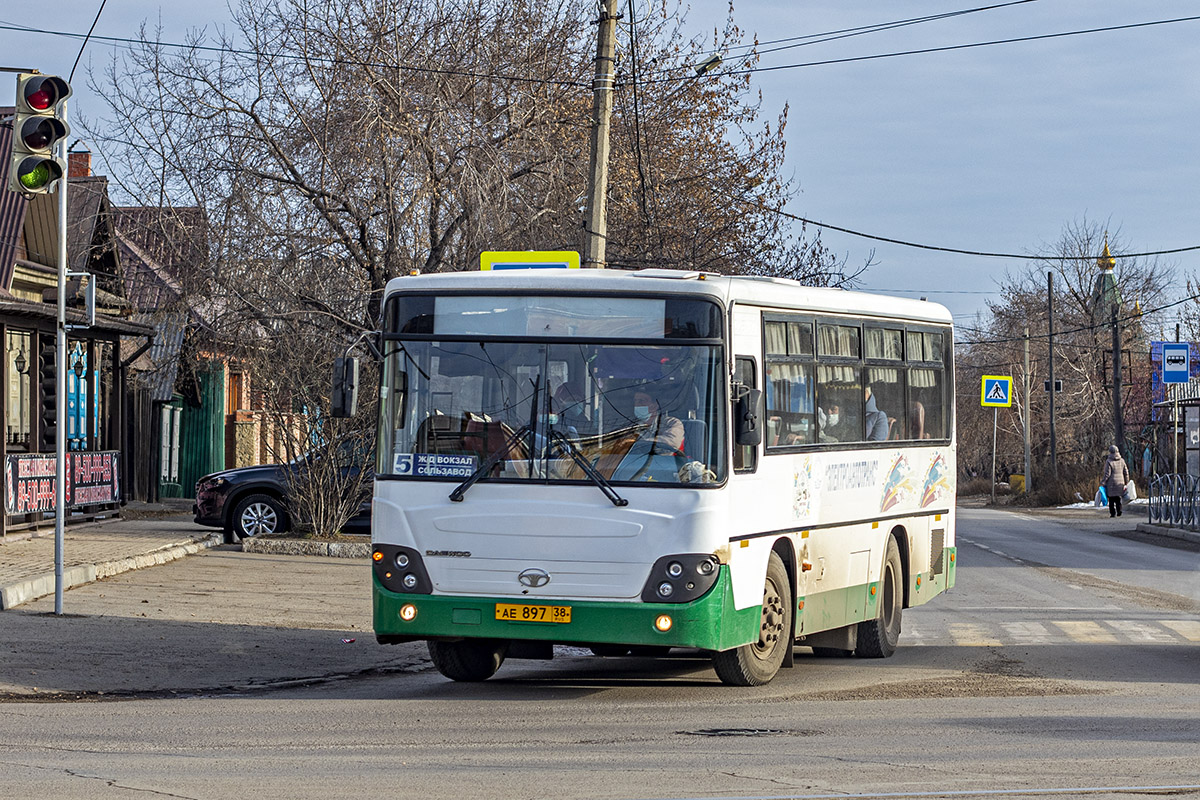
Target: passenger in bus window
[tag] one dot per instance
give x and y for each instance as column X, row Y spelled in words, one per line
column 877, row 421
column 827, row 423
column 916, row 420
column 664, row 430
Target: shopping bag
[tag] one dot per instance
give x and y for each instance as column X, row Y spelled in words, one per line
column 1130, row 492
column 1101, row 498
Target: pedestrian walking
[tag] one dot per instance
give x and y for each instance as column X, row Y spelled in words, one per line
column 1113, row 479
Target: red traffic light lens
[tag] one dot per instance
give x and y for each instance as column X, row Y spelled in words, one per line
column 41, row 99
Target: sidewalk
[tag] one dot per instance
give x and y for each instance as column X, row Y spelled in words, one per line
column 149, row 535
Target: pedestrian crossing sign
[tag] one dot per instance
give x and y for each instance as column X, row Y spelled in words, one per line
column 996, row 391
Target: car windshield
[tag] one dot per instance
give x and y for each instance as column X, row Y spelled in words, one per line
column 636, row 413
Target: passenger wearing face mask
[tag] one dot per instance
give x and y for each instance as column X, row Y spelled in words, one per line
column 663, row 430
column 827, row 422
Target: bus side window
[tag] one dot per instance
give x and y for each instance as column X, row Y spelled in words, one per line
column 745, row 457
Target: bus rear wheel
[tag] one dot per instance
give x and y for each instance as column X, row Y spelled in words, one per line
column 468, row 660
column 877, row 638
column 756, row 663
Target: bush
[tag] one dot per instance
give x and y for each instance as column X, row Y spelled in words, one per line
column 1061, row 491
column 975, row 486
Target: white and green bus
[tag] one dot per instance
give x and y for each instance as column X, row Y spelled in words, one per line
column 637, row 461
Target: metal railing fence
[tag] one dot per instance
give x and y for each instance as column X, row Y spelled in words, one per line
column 1175, row 501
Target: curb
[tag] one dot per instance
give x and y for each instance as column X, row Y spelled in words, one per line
column 306, row 547
column 28, row 589
column 1173, row 533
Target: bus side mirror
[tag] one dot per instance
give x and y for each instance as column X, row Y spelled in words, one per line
column 345, row 387
column 747, row 420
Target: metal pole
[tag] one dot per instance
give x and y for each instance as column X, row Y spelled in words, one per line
column 1028, row 459
column 1050, row 320
column 596, row 218
column 1175, row 421
column 995, row 425
column 1118, row 421
column 60, row 380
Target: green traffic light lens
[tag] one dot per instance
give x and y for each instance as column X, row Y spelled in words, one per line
column 35, row 178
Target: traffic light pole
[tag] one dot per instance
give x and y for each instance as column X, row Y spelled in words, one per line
column 60, row 392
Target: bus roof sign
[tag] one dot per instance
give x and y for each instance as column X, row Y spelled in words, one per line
column 490, row 260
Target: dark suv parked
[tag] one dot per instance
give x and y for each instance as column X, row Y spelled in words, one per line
column 249, row 501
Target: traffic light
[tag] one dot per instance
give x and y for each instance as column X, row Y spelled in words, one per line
column 38, row 127
column 49, row 380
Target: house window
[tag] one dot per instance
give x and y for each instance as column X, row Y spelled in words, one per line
column 21, row 363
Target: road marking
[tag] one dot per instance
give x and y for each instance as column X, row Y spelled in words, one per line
column 1187, row 628
column 1027, row 632
column 1142, row 632
column 1086, row 632
column 966, row 634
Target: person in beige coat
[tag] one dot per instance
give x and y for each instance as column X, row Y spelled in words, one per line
column 1113, row 479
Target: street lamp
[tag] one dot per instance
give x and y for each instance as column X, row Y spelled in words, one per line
column 20, row 363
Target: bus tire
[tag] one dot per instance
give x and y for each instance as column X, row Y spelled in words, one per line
column 468, row 660
column 877, row 638
column 756, row 663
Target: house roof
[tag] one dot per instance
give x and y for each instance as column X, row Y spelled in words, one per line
column 12, row 205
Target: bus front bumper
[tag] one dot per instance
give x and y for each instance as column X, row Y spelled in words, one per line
column 708, row 623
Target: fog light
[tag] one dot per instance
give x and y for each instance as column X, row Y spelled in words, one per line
column 401, row 560
column 705, row 567
column 377, row 555
column 662, row 623
column 408, row 612
column 674, row 569
column 409, row 581
column 665, row 589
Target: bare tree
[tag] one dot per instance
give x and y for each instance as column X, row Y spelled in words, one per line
column 1083, row 343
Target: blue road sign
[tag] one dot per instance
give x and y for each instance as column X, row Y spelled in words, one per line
column 1175, row 362
column 996, row 391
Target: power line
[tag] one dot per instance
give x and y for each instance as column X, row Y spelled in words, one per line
column 956, row 250
column 946, row 48
column 131, row 42
column 861, row 30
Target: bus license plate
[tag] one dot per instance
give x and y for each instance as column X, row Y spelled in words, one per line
column 512, row 612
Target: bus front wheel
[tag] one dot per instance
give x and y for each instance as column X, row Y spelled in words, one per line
column 469, row 660
column 877, row 638
column 756, row 663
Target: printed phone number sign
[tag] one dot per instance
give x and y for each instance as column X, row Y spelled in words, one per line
column 431, row 465
column 92, row 478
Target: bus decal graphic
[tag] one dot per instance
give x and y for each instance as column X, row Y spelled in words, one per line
column 937, row 482
column 802, row 490
column 898, row 485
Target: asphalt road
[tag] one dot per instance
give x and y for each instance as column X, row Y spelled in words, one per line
column 1065, row 663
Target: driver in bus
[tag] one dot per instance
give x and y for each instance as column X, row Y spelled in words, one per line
column 665, row 431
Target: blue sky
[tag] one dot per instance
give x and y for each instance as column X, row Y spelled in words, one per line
column 990, row 148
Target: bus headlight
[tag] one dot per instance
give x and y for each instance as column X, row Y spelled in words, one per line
column 680, row 578
column 400, row 569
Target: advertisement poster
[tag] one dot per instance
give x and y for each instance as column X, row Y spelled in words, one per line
column 92, row 478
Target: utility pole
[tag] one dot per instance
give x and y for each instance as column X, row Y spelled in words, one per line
column 60, row 373
column 1175, row 422
column 1028, row 460
column 1118, row 422
column 596, row 218
column 1050, row 321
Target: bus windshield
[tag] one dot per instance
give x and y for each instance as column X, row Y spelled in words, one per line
column 638, row 413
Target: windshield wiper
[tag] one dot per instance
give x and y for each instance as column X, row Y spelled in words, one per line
column 585, row 465
column 492, row 460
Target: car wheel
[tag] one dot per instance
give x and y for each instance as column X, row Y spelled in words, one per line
column 259, row 514
column 877, row 638
column 470, row 660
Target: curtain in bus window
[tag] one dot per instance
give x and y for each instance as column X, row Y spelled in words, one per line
column 927, row 412
column 838, row 340
column 775, row 338
column 884, row 343
column 789, row 404
column 885, row 407
column 839, row 403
